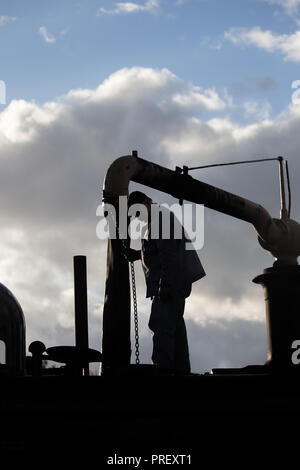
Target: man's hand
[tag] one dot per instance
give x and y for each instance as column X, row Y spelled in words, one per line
column 131, row 255
column 165, row 293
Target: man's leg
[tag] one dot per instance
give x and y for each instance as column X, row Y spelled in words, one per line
column 170, row 347
column 163, row 326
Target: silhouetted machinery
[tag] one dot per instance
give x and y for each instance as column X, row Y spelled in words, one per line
column 281, row 282
column 76, row 358
column 255, row 406
column 12, row 334
column 281, row 237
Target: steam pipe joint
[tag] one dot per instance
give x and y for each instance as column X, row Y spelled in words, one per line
column 285, row 248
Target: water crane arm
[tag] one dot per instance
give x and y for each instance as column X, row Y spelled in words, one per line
column 280, row 237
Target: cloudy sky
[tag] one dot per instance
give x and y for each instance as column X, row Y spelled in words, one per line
column 183, row 82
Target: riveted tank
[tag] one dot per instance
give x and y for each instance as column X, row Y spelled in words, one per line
column 12, row 334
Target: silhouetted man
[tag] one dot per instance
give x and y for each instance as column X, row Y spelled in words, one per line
column 169, row 270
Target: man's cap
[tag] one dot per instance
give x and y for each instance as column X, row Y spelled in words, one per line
column 136, row 197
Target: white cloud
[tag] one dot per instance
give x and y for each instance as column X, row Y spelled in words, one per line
column 53, row 161
column 286, row 44
column 150, row 6
column 289, row 6
column 49, row 38
column 203, row 309
column 4, row 19
column 261, row 111
column 180, row 93
column 208, row 99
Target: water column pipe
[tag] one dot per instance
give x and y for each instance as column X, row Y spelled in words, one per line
column 280, row 237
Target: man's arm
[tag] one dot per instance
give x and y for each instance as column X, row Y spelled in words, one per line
column 131, row 255
column 169, row 261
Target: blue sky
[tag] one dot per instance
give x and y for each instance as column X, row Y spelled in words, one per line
column 92, row 39
column 185, row 82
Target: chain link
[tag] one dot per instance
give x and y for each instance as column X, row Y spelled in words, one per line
column 135, row 313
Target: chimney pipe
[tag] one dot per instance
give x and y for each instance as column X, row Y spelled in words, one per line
column 81, row 308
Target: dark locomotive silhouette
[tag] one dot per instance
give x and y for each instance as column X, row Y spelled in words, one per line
column 129, row 405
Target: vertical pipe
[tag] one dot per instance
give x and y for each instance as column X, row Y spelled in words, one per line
column 282, row 287
column 116, row 345
column 81, row 310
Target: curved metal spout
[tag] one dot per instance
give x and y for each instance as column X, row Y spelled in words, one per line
column 280, row 237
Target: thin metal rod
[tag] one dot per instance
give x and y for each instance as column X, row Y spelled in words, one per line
column 284, row 212
column 233, row 163
column 288, row 188
column 283, row 209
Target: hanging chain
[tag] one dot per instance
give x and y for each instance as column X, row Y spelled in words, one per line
column 135, row 313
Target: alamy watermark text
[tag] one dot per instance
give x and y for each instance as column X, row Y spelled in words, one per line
column 162, row 222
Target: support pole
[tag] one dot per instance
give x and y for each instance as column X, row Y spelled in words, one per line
column 283, row 209
column 81, row 310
